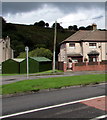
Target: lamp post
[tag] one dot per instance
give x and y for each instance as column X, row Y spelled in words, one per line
column 55, row 32
column 27, row 64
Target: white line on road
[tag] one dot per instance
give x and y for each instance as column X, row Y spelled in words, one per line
column 100, row 117
column 49, row 107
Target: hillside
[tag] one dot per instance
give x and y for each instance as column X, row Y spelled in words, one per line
column 32, row 36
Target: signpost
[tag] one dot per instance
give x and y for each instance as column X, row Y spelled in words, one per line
column 27, row 65
column 54, row 46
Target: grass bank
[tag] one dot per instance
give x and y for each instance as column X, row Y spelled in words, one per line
column 47, row 83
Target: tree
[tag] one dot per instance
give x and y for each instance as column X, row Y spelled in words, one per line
column 41, row 23
column 2, row 20
column 47, row 24
column 36, row 23
column 38, row 52
column 82, row 28
column 89, row 27
column 75, row 27
column 70, row 27
column 2, row 23
column 57, row 26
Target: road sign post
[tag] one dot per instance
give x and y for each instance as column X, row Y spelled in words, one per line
column 27, row 63
column 55, row 32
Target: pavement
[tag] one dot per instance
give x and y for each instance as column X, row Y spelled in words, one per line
column 86, row 102
column 15, row 78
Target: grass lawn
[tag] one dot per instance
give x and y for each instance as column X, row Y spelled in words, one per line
column 46, row 83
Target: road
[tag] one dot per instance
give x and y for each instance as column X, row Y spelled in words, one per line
column 44, row 99
column 15, row 78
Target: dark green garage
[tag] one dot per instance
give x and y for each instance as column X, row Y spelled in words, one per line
column 36, row 64
column 18, row 66
column 11, row 66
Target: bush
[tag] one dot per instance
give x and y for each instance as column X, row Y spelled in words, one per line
column 38, row 52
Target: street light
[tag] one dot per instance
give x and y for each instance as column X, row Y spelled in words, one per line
column 55, row 32
column 27, row 64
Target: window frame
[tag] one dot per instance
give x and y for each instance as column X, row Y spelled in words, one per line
column 93, row 45
column 72, row 45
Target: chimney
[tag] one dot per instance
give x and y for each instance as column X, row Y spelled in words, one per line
column 94, row 26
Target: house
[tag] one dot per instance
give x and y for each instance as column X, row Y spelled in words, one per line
column 5, row 50
column 82, row 46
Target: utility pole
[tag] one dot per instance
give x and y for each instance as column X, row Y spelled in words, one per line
column 55, row 33
column 27, row 64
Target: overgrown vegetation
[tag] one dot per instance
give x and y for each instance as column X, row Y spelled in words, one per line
column 47, row 83
column 38, row 52
column 33, row 36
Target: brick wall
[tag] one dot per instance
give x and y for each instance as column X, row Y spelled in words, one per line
column 99, row 66
column 61, row 66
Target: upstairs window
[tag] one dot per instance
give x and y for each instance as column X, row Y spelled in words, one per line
column 72, row 45
column 92, row 45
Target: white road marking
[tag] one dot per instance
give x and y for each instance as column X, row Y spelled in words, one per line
column 100, row 117
column 49, row 107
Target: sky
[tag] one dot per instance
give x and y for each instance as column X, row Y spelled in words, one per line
column 65, row 13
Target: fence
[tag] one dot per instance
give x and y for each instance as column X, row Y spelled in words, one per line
column 84, row 66
column 90, row 66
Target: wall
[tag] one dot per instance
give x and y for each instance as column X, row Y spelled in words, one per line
column 102, row 50
column 5, row 50
column 62, row 53
column 98, row 66
column 76, row 49
column 33, row 66
column 85, row 49
column 61, row 66
column 10, row 67
column 44, row 66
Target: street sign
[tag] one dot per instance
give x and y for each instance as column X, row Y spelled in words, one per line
column 26, row 48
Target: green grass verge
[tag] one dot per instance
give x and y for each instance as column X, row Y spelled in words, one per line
column 46, row 83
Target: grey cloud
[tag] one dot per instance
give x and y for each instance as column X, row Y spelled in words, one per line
column 17, row 7
column 75, row 6
column 65, row 7
column 98, row 17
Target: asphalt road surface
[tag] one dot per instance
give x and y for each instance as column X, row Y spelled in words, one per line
column 15, row 78
column 39, row 105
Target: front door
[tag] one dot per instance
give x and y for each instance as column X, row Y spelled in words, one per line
column 93, row 58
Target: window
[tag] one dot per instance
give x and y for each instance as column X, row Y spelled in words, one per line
column 92, row 45
column 72, row 45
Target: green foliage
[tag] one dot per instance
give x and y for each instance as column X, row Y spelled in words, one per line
column 32, row 36
column 47, row 83
column 38, row 52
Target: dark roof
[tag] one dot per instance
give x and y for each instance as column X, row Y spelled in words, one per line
column 87, row 35
column 41, row 59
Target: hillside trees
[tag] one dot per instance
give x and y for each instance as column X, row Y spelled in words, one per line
column 32, row 36
column 58, row 26
column 47, row 24
column 38, row 52
column 41, row 24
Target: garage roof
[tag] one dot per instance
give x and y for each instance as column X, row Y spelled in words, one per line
column 41, row 59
